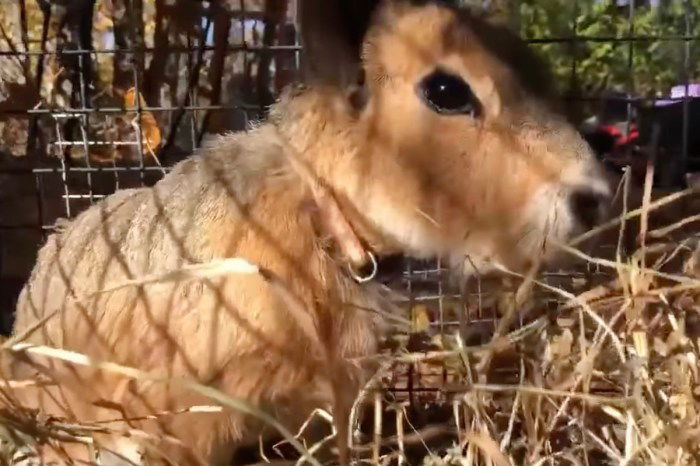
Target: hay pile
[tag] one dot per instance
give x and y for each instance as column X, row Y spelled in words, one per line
column 610, row 377
column 588, row 368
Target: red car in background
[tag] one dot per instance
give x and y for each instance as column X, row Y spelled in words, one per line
column 613, row 133
column 621, row 134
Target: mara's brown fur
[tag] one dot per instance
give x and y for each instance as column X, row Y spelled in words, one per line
column 493, row 185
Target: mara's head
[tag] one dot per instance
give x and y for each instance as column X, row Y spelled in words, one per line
column 453, row 146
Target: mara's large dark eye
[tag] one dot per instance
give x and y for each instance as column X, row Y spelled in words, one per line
column 447, row 93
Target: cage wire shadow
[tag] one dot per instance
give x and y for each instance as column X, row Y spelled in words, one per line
column 76, row 127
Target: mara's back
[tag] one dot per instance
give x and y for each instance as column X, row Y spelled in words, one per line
column 224, row 202
column 116, row 284
column 198, row 212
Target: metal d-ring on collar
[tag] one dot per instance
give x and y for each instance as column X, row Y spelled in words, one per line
column 368, row 277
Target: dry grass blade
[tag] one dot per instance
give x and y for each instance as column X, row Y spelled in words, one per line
column 488, row 447
column 15, row 384
column 506, row 320
column 212, row 269
column 634, row 213
column 646, row 199
column 621, row 266
column 596, row 399
column 31, row 329
column 191, row 409
column 208, row 270
column 664, row 231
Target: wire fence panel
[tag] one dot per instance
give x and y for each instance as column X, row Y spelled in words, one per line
column 104, row 95
column 73, row 129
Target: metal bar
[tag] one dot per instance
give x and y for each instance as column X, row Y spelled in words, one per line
column 298, row 48
column 136, row 71
column 94, row 143
column 76, row 112
column 138, row 50
column 683, row 162
column 44, row 170
column 84, row 122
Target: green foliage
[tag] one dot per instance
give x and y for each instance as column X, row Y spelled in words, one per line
column 587, row 67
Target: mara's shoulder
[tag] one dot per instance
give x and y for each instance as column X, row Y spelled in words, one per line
column 239, row 155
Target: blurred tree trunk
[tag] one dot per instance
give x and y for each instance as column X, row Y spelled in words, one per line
column 80, row 22
column 24, row 28
column 275, row 14
column 212, row 121
column 156, row 70
column 128, row 35
column 181, row 24
column 75, row 38
column 285, row 62
column 35, row 139
column 175, row 22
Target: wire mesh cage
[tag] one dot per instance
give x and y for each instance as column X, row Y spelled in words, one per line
column 102, row 95
column 198, row 69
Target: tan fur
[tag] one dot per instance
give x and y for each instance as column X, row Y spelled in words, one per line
column 407, row 179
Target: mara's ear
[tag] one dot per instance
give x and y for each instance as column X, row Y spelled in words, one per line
column 332, row 32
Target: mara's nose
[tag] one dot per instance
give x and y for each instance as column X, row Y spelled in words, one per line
column 589, row 207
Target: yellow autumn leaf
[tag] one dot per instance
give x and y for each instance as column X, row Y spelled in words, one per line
column 150, row 133
column 130, row 99
column 420, row 318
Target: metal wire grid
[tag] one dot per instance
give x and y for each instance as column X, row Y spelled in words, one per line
column 62, row 186
column 53, row 179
